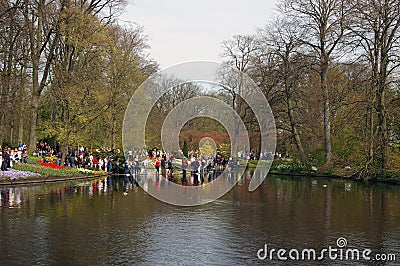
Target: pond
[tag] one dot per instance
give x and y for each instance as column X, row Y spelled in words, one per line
column 95, row 222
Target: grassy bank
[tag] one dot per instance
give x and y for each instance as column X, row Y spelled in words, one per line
column 34, row 171
column 47, row 171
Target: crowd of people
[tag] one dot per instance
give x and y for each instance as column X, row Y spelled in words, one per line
column 9, row 156
column 195, row 170
column 202, row 168
column 253, row 155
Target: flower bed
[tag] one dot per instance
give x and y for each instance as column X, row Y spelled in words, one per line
column 18, row 174
column 51, row 165
column 47, row 171
column 85, row 171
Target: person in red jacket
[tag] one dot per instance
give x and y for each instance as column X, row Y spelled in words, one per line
column 95, row 162
column 158, row 164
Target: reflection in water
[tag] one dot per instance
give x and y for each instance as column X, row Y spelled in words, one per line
column 11, row 198
column 93, row 222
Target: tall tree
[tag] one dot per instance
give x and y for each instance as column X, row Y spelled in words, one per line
column 287, row 66
column 239, row 53
column 41, row 20
column 124, row 72
column 375, row 25
column 78, row 74
column 324, row 25
column 12, row 66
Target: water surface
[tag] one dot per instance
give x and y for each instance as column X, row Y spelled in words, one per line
column 95, row 223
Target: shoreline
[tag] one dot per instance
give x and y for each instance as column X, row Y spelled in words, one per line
column 48, row 179
column 55, row 179
column 330, row 176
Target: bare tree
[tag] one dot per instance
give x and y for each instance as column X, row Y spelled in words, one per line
column 288, row 67
column 13, row 68
column 375, row 25
column 41, row 28
column 324, row 25
column 239, row 53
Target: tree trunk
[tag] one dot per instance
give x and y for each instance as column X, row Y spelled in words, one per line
column 295, row 132
column 12, row 129
column 2, row 121
column 21, row 127
column 35, row 47
column 64, row 149
column 36, row 43
column 237, row 106
column 5, row 89
column 113, row 131
column 33, row 124
column 370, row 125
column 382, row 132
column 290, row 112
column 382, row 135
column 326, row 110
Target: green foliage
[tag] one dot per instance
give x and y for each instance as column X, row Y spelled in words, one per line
column 254, row 163
column 394, row 161
column 316, row 157
column 288, row 166
column 34, row 160
column 225, row 150
column 347, row 147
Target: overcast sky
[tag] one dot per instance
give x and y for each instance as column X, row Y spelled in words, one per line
column 185, row 30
